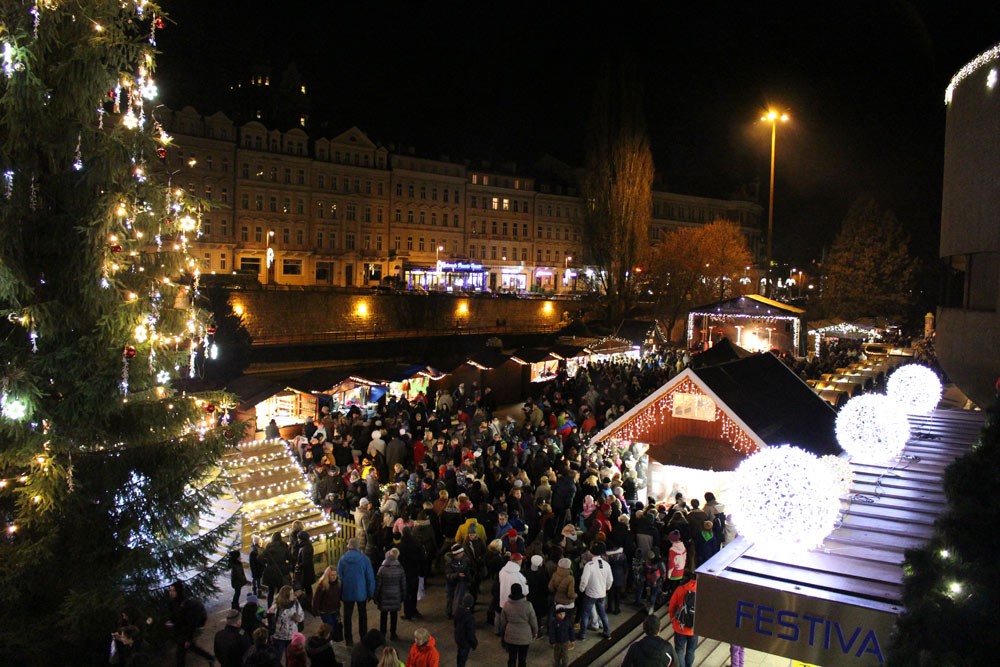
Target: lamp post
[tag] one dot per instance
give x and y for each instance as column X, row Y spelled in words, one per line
column 437, row 264
column 773, row 117
column 268, row 256
column 569, row 259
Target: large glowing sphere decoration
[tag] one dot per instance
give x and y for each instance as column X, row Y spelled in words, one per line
column 872, row 427
column 784, row 497
column 916, row 387
column 840, row 468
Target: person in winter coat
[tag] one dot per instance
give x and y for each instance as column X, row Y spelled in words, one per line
column 183, row 610
column 366, row 653
column 411, row 557
column 390, row 589
column 676, row 562
column 652, row 650
column 231, row 643
column 237, row 577
column 295, row 656
column 654, row 576
column 305, row 569
column 252, row 615
column 458, row 576
column 256, row 565
column 595, row 582
column 277, row 560
column 287, row 613
column 319, row 648
column 705, row 543
column 561, row 634
column 518, row 626
column 510, row 574
column 261, row 654
column 538, row 589
column 465, row 630
column 357, row 580
column 494, row 563
column 326, row 598
column 685, row 641
column 619, row 569
column 423, row 653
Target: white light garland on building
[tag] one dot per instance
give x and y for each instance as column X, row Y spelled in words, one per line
column 784, row 497
column 969, row 69
column 872, row 428
column 916, row 387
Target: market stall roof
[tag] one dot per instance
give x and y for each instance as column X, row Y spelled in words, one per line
column 723, row 351
column 487, row 359
column 532, row 355
column 567, row 351
column 319, row 380
column 611, row 345
column 749, row 304
column 774, row 402
column 252, row 389
column 386, row 373
column 641, row 332
column 760, row 394
column 837, row 603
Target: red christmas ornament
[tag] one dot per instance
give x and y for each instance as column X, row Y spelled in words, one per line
column 211, row 331
column 169, row 221
column 111, row 94
column 158, row 22
column 116, row 247
column 129, row 351
column 161, row 152
column 209, row 408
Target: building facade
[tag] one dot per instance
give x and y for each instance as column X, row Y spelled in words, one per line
column 345, row 211
column 969, row 316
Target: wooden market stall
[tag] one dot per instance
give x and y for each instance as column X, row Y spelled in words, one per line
column 752, row 322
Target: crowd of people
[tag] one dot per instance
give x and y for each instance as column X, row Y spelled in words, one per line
column 532, row 529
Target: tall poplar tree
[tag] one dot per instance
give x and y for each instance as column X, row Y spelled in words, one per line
column 103, row 468
column 617, row 187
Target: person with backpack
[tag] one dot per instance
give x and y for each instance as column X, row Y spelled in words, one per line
column 654, row 573
column 187, row 617
column 681, row 611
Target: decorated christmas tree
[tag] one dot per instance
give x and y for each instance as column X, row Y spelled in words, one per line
column 952, row 590
column 104, row 469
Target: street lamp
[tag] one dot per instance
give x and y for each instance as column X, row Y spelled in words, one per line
column 569, row 259
column 772, row 117
column 437, row 264
column 268, row 256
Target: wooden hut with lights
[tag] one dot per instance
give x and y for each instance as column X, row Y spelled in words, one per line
column 701, row 424
column 751, row 321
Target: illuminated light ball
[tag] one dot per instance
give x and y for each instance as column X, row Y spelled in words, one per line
column 916, row 387
column 161, row 152
column 13, row 409
column 840, row 468
column 784, row 497
column 872, row 427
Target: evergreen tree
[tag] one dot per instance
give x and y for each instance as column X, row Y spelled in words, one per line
column 952, row 587
column 104, row 471
column 869, row 272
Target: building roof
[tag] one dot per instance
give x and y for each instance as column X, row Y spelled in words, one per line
column 533, row 355
column 855, row 578
column 750, row 304
column 252, row 389
column 487, row 359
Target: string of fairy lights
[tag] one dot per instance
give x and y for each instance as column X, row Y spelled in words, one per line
column 139, row 231
column 657, row 413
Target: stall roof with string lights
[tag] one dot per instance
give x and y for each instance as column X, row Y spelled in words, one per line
column 711, row 418
column 751, row 321
column 836, row 604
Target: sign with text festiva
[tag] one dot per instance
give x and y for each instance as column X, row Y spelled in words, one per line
column 815, row 630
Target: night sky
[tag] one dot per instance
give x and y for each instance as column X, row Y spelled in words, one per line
column 863, row 81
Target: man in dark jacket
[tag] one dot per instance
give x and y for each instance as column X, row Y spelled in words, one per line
column 231, row 643
column 465, row 629
column 652, row 650
column 563, row 495
column 366, row 652
column 184, row 611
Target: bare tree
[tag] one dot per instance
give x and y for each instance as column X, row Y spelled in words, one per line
column 617, row 187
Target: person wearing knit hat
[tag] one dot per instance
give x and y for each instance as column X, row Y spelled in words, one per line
column 538, row 588
column 706, row 544
column 676, row 563
column 561, row 634
column 230, row 642
column 518, row 626
column 511, row 574
column 458, row 577
column 295, row 656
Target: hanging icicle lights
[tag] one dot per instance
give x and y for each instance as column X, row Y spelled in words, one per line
column 655, row 415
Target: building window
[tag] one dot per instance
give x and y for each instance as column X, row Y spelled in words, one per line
column 434, row 194
column 286, row 205
column 472, row 252
column 475, row 179
column 506, row 204
column 379, row 188
column 409, row 190
column 378, row 242
column 378, row 214
column 301, row 176
column 434, row 219
column 505, row 228
column 222, row 262
column 245, row 170
column 395, row 244
column 493, row 252
column 321, row 181
column 225, row 195
column 244, row 233
column 291, row 267
column 421, row 244
column 299, row 236
column 409, row 216
column 349, row 241
column 472, row 201
column 206, row 227
column 444, row 219
column 250, row 264
column 524, row 254
column 286, row 236
column 444, row 194
column 399, row 189
column 456, row 196
column 423, row 217
column 245, row 201
column 368, row 241
column 423, row 192
column 319, row 239
column 409, row 243
column 225, row 228
column 272, row 204
column 493, row 228
column 456, row 219
column 368, row 214
column 288, row 176
column 399, row 215
column 352, row 213
column 259, row 202
column 515, row 206
column 258, row 234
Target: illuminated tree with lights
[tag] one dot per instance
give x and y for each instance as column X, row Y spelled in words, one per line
column 869, row 272
column 617, row 188
column 952, row 586
column 104, row 470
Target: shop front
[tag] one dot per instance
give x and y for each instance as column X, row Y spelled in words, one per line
column 446, row 276
column 513, row 279
column 545, row 279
